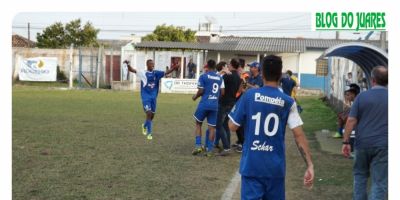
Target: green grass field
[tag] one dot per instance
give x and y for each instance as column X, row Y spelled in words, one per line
column 88, row 145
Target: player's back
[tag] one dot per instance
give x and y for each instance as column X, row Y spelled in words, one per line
column 211, row 83
column 267, row 112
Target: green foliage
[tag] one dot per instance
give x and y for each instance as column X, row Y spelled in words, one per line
column 58, row 35
column 60, row 75
column 171, row 33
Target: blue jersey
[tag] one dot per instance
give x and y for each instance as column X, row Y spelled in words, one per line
column 149, row 84
column 264, row 113
column 211, row 83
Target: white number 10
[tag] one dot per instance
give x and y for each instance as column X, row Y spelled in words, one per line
column 257, row 117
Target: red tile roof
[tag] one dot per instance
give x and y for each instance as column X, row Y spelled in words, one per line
column 19, row 41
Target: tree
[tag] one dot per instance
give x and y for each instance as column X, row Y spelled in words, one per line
column 171, row 33
column 59, row 36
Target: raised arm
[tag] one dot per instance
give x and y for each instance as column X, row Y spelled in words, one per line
column 170, row 70
column 130, row 68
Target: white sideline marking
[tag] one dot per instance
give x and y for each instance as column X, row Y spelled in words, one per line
column 231, row 189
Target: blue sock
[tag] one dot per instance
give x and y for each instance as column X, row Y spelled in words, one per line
column 198, row 141
column 210, row 146
column 149, row 126
column 217, row 138
column 206, row 139
column 340, row 131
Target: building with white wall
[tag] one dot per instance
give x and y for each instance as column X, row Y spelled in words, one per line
column 298, row 54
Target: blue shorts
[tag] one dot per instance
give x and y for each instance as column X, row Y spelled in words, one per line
column 262, row 188
column 211, row 116
column 149, row 105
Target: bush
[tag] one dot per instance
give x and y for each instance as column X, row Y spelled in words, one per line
column 60, row 75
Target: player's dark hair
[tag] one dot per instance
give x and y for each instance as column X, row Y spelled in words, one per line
column 221, row 65
column 355, row 87
column 272, row 68
column 234, row 63
column 352, row 90
column 211, row 64
column 289, row 72
column 147, row 61
column 242, row 62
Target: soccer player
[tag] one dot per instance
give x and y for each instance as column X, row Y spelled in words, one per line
column 210, row 87
column 150, row 80
column 264, row 113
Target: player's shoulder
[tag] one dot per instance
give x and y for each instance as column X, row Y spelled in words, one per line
column 204, row 75
column 271, row 92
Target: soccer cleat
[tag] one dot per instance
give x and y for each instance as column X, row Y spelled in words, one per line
column 209, row 154
column 149, row 137
column 337, row 135
column 216, row 146
column 144, row 131
column 239, row 148
column 225, row 152
column 197, row 150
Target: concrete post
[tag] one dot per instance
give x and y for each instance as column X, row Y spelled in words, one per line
column 111, row 65
column 98, row 68
column 121, row 64
column 71, row 52
column 182, row 65
column 218, row 57
column 134, row 64
column 298, row 68
column 198, row 65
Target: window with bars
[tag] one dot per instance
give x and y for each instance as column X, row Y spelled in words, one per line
column 322, row 67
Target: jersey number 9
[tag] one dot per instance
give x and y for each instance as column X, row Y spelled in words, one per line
column 215, row 88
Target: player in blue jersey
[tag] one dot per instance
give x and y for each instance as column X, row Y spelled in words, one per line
column 210, row 87
column 149, row 85
column 264, row 113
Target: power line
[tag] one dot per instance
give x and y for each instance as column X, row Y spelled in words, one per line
column 148, row 30
column 272, row 21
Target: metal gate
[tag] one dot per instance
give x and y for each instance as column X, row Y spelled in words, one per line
column 90, row 65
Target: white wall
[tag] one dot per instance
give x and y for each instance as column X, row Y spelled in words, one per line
column 308, row 61
column 289, row 61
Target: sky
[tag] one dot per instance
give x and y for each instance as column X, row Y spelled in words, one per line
column 120, row 25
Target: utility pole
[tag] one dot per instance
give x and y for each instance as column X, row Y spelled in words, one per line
column 383, row 40
column 29, row 34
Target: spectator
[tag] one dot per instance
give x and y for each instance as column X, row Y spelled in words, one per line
column 167, row 75
column 294, row 90
column 349, row 96
column 191, row 68
column 369, row 115
column 226, row 102
column 255, row 80
column 242, row 88
column 349, row 79
column 287, row 84
column 296, row 81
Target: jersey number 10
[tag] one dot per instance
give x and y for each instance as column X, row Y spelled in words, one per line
column 257, row 117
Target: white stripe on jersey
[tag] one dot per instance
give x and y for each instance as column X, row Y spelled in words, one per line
column 142, row 75
column 294, row 119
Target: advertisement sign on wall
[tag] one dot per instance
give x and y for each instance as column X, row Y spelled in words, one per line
column 171, row 85
column 38, row 69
